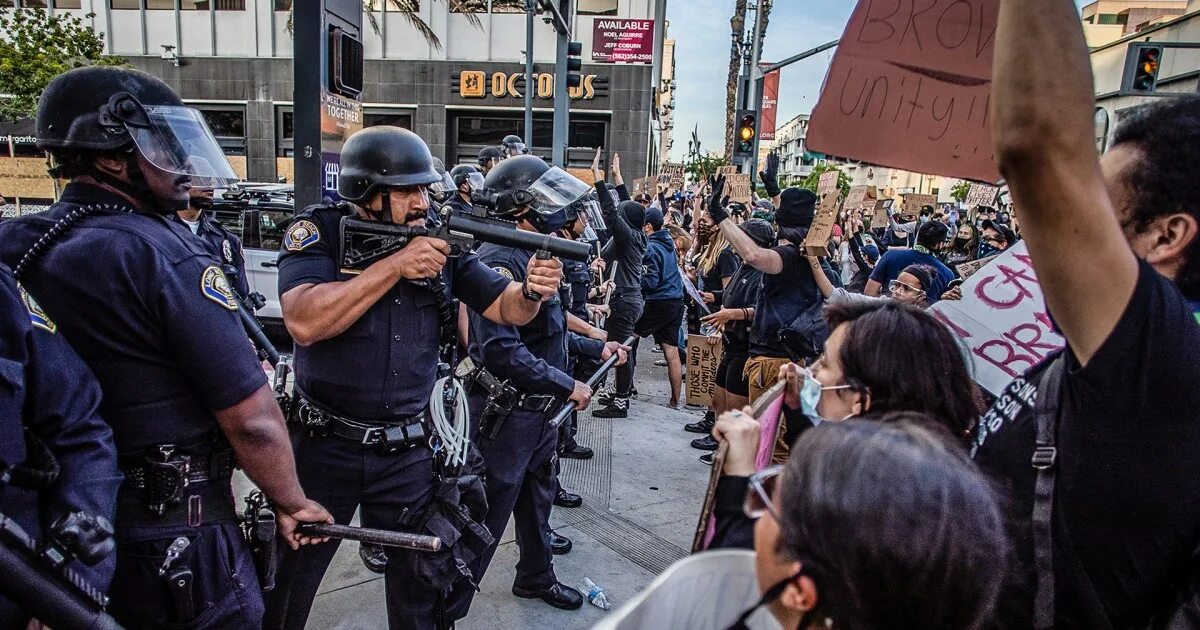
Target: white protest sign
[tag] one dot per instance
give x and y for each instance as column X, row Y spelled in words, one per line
column 981, row 195
column 1002, row 320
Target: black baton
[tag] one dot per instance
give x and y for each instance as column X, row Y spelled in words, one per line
column 382, row 537
column 591, row 382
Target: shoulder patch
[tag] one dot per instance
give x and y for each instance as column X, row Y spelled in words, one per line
column 37, row 316
column 301, row 234
column 227, row 250
column 503, row 271
column 215, row 286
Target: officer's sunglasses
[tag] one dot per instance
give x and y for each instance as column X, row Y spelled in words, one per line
column 761, row 488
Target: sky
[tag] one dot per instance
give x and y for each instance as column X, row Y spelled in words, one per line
column 700, row 29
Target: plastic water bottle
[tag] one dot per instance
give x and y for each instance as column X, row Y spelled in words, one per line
column 594, row 594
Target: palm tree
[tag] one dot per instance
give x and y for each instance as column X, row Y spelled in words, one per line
column 409, row 8
column 738, row 26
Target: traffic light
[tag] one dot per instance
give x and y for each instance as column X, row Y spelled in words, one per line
column 574, row 64
column 345, row 63
column 1145, row 70
column 745, row 131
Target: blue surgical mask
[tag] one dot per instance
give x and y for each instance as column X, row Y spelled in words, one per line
column 810, row 396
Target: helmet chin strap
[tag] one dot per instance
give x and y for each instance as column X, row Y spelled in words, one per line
column 138, row 189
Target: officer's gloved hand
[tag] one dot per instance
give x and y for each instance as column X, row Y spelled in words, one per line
column 544, row 277
column 582, row 395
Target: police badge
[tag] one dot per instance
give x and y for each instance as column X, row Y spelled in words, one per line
column 227, row 251
column 301, row 234
column 215, row 286
column 37, row 316
column 504, row 272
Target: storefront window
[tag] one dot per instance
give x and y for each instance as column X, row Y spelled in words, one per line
column 597, row 7
column 229, row 127
column 395, row 119
column 477, row 131
column 283, row 5
column 285, row 132
column 123, row 4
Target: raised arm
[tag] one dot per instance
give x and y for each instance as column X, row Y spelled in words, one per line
column 765, row 260
column 1043, row 133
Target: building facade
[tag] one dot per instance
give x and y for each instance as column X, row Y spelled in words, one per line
column 794, row 160
column 460, row 89
column 1106, row 21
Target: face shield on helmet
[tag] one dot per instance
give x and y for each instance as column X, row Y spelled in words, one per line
column 556, row 189
column 475, row 180
column 176, row 140
column 516, row 148
column 444, row 187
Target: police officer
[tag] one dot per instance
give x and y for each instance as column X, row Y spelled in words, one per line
column 513, row 146
column 154, row 318
column 520, row 377
column 72, row 467
column 580, row 217
column 221, row 244
column 489, row 157
column 467, row 178
column 366, row 360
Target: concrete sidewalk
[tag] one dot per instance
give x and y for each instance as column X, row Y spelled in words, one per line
column 642, row 495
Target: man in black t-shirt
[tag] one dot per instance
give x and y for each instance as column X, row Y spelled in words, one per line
column 1125, row 519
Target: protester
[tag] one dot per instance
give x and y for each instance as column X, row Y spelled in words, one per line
column 881, row 357
column 910, row 287
column 965, row 246
column 994, row 238
column 931, row 238
column 835, row 548
column 1115, row 242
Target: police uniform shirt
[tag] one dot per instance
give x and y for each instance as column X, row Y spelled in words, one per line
column 383, row 366
column 224, row 247
column 147, row 310
column 457, row 204
column 45, row 387
column 532, row 357
column 579, row 280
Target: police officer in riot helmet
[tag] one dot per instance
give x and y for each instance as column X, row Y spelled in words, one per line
column 489, row 157
column 155, row 319
column 521, row 377
column 467, row 179
column 367, row 356
column 513, row 146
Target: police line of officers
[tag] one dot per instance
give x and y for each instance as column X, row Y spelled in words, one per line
column 127, row 363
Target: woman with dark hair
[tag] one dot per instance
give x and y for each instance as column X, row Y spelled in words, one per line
column 835, row 548
column 882, row 356
column 910, row 287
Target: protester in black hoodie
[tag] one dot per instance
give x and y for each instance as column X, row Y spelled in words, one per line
column 625, row 249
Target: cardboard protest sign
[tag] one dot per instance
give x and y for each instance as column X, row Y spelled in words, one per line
column 822, row 225
column 1002, row 320
column 883, row 209
column 914, row 202
column 726, row 170
column 968, row 269
column 860, row 197
column 910, row 87
column 981, row 195
column 675, row 175
column 738, row 187
column 647, row 185
column 703, row 357
column 827, row 182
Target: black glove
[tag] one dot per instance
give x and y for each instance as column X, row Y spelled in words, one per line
column 716, row 209
column 770, row 176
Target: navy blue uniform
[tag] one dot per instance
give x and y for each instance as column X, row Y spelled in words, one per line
column 521, row 460
column 381, row 370
column 47, row 388
column 154, row 319
column 225, row 248
column 577, row 284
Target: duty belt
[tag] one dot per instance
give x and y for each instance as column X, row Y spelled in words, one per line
column 486, row 383
column 388, row 436
column 162, row 474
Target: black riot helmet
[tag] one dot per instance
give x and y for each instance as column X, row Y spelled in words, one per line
column 514, row 146
column 467, row 174
column 528, row 182
column 441, row 190
column 384, row 157
column 107, row 109
column 488, row 156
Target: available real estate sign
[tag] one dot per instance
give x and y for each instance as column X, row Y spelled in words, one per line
column 623, row 41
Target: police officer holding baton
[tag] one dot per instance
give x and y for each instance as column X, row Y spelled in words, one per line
column 521, row 376
column 367, row 355
column 155, row 319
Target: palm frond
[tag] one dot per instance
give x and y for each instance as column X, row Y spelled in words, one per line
column 462, row 7
column 423, row 29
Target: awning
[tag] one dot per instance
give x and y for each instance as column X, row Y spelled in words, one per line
column 22, row 131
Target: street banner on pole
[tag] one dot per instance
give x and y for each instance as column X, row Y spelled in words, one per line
column 770, row 101
column 910, row 87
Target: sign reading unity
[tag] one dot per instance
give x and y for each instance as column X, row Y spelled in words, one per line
column 910, row 87
column 1002, row 320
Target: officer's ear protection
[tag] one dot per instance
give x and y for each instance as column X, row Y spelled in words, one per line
column 123, row 109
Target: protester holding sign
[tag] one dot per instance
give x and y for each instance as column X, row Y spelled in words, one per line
column 1107, row 527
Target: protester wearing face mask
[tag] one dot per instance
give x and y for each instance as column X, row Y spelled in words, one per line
column 835, row 548
column 910, row 287
column 965, row 246
column 994, row 238
column 931, row 239
column 881, row 357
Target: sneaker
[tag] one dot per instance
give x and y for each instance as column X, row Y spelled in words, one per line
column 618, row 409
column 607, row 396
column 660, row 363
column 704, row 426
column 708, row 458
column 706, row 443
column 656, row 349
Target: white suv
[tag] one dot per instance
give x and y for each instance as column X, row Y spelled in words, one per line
column 259, row 214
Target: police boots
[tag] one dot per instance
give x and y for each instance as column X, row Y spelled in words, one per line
column 704, row 426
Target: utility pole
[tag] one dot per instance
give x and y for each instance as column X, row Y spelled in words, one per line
column 753, row 87
column 530, row 10
column 562, row 98
column 760, row 73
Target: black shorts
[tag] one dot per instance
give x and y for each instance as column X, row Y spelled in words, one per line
column 731, row 377
column 662, row 319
